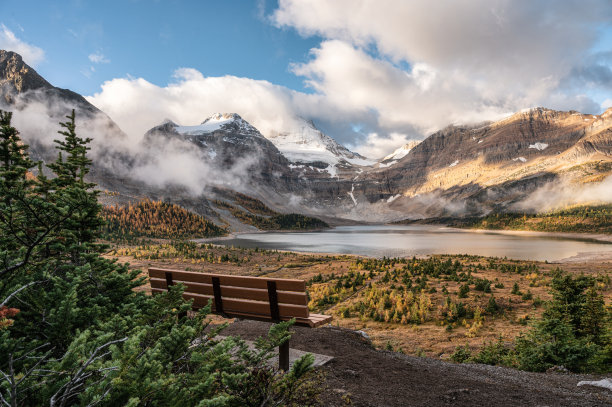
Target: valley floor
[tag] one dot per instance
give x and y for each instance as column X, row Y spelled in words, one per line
column 434, row 333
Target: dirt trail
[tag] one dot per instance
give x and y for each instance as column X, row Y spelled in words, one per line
column 369, row 377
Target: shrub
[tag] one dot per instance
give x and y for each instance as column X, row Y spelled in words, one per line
column 568, row 334
column 492, row 306
column 461, row 354
column 495, row 353
column 482, row 285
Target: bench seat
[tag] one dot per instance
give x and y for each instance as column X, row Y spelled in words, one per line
column 242, row 296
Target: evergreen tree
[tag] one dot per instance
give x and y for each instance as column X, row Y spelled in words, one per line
column 572, row 331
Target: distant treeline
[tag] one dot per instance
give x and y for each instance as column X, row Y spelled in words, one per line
column 156, row 219
column 259, row 215
column 577, row 219
column 581, row 219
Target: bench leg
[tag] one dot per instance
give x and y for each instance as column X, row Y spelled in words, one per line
column 283, row 356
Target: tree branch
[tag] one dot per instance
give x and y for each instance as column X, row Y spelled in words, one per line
column 14, row 293
column 78, row 380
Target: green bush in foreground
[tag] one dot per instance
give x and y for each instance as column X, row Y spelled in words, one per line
column 575, row 331
column 73, row 331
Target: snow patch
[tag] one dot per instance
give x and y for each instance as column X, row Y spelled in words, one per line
column 521, row 159
column 359, row 161
column 393, row 198
column 605, row 383
column 453, row 164
column 218, row 121
column 331, row 169
column 381, row 165
column 539, row 146
column 212, row 154
column 402, row 151
column 305, row 143
column 351, row 194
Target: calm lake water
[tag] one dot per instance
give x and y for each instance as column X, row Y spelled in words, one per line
column 400, row 241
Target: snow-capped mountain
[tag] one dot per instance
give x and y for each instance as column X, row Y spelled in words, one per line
column 226, row 122
column 224, row 138
column 402, row 151
column 307, row 144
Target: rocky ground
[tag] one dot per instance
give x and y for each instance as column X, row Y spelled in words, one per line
column 360, row 375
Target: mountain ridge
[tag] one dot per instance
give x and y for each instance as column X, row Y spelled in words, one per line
column 459, row 170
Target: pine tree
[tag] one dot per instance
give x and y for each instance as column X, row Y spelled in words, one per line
column 71, row 191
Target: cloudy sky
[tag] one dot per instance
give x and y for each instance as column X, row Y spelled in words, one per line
column 372, row 74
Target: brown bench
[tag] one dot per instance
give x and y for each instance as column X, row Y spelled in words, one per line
column 259, row 298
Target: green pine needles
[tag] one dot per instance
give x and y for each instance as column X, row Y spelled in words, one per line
column 73, row 331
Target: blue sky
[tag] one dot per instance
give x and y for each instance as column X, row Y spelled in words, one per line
column 151, row 39
column 373, row 74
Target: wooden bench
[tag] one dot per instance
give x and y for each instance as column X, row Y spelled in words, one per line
column 259, row 298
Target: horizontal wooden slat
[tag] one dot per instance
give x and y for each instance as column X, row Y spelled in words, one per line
column 282, row 284
column 244, row 306
column 284, row 297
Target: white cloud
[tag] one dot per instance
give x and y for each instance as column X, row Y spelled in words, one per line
column 350, row 78
column 31, row 54
column 137, row 105
column 98, row 58
column 471, row 35
column 377, row 146
column 158, row 161
column 460, row 61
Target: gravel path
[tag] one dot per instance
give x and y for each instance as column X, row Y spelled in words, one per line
column 369, row 377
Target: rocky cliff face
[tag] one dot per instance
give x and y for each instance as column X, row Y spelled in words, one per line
column 487, row 166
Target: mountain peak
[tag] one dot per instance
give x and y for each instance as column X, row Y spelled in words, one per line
column 230, row 122
column 217, row 117
column 16, row 73
column 306, row 143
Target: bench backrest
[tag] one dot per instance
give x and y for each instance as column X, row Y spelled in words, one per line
column 272, row 299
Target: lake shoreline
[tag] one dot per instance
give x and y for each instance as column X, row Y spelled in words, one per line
column 486, row 243
column 598, row 237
